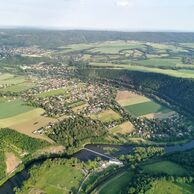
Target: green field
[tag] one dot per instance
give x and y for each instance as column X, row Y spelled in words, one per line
column 13, row 108
column 145, row 108
column 167, row 187
column 116, row 46
column 57, row 179
column 116, row 184
column 52, row 93
column 18, row 87
column 165, row 167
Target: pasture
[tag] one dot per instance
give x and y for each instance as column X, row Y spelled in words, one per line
column 164, row 187
column 116, row 184
column 106, row 116
column 165, row 167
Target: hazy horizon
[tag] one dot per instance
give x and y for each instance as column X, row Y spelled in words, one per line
column 109, row 15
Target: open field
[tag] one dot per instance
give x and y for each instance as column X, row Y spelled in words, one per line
column 160, row 62
column 59, row 179
column 138, row 105
column 125, row 98
column 114, row 47
column 6, row 76
column 13, row 108
column 145, row 108
column 124, row 128
column 106, row 116
column 9, row 79
column 28, row 122
column 165, row 167
column 52, row 93
column 116, row 184
column 164, row 187
column 19, row 87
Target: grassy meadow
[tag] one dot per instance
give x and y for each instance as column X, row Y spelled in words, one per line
column 164, row 187
column 165, row 167
column 116, row 184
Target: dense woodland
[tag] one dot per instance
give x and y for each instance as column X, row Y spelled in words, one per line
column 53, row 39
column 75, row 131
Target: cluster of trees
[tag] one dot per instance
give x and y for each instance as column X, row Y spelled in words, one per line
column 184, row 158
column 142, row 183
column 76, row 130
column 141, row 153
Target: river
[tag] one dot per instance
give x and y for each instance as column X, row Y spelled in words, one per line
column 84, row 155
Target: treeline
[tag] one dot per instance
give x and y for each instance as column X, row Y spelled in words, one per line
column 141, row 183
column 21, row 141
column 26, row 37
column 176, row 92
column 184, row 158
column 140, row 154
column 11, row 140
column 74, row 131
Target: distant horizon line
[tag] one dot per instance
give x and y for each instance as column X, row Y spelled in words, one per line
column 91, row 29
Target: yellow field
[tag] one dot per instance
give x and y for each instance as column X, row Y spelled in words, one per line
column 126, row 98
column 106, row 116
column 28, row 122
column 124, row 128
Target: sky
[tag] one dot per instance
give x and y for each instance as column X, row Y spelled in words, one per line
column 123, row 15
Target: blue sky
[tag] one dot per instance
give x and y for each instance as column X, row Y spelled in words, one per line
column 126, row 15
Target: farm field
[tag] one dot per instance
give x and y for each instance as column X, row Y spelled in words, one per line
column 106, row 116
column 28, row 122
column 12, row 108
column 165, row 167
column 164, row 187
column 18, row 87
column 52, row 93
column 116, row 184
column 126, row 98
column 124, row 128
column 139, row 105
column 145, row 108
